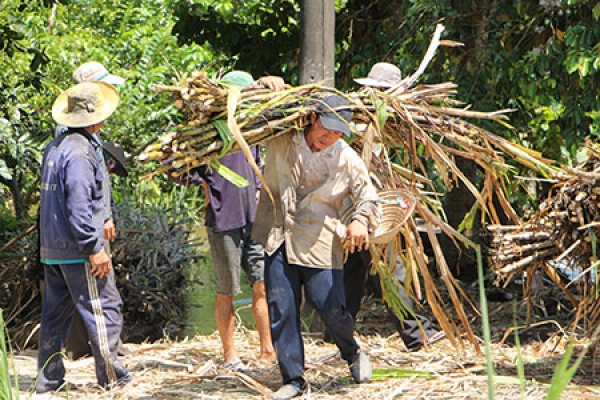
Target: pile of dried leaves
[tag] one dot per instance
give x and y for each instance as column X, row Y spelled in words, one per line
column 193, row 368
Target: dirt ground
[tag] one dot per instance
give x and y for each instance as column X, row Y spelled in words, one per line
column 192, row 368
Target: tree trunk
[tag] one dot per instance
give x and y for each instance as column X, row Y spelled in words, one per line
column 317, row 52
column 317, row 59
column 457, row 203
column 18, row 201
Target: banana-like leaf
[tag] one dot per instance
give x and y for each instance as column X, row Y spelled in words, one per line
column 228, row 174
column 225, row 134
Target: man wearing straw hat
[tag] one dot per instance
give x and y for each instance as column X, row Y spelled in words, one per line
column 310, row 175
column 93, row 71
column 77, row 343
column 78, row 273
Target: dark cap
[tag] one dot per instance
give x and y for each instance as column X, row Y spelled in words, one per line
column 115, row 151
column 335, row 113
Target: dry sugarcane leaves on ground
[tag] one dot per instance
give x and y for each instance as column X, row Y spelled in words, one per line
column 193, row 368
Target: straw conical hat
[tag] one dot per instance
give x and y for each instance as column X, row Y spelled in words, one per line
column 85, row 104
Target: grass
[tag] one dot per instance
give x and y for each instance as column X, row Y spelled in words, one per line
column 6, row 382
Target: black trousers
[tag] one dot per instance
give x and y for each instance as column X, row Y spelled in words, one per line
column 356, row 274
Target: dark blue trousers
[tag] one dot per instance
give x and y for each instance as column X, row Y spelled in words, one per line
column 324, row 290
column 356, row 274
column 69, row 287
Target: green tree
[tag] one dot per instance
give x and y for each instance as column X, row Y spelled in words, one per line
column 539, row 57
column 133, row 40
column 261, row 37
column 21, row 97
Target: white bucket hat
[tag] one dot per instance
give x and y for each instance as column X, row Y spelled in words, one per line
column 381, row 75
column 94, row 71
column 85, row 104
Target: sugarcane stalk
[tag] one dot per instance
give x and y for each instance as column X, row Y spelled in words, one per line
column 526, row 236
column 503, row 228
column 519, row 265
column 518, row 251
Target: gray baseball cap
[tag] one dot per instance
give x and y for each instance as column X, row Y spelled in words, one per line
column 335, row 114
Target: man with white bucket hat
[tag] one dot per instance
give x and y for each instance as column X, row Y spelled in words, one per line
column 382, row 76
column 95, row 71
column 415, row 330
column 78, row 272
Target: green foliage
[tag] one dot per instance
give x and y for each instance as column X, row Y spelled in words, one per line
column 381, row 374
column 563, row 374
column 10, row 225
column 155, row 243
column 485, row 322
column 132, row 40
column 543, row 61
column 520, row 365
column 540, row 60
column 261, row 37
column 22, row 95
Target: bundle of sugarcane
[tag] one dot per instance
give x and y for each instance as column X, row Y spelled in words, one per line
column 206, row 134
column 404, row 121
column 565, row 228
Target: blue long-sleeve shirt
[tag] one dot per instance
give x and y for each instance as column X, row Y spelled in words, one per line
column 71, row 199
column 106, row 186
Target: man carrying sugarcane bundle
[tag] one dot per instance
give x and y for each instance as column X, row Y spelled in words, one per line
column 229, row 216
column 411, row 326
column 310, row 175
column 415, row 330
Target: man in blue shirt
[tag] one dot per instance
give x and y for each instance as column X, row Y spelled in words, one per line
column 78, row 272
column 77, row 342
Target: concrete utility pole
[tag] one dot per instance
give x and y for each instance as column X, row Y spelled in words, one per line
column 317, row 49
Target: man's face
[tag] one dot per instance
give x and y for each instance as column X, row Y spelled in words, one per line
column 111, row 164
column 318, row 138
